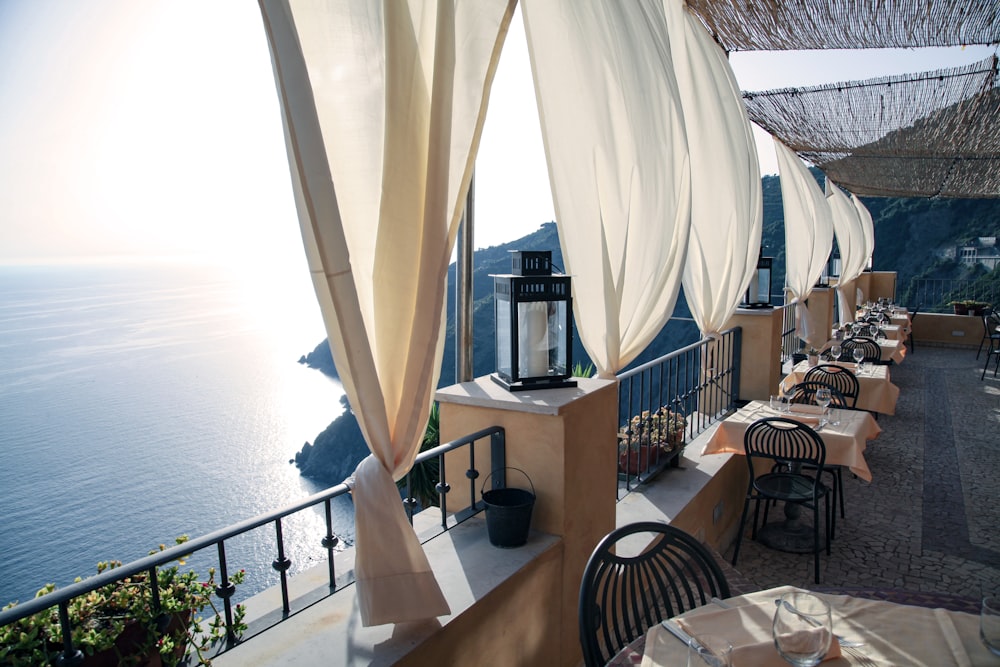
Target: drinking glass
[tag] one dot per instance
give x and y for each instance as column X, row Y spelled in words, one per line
column 802, row 628
column 713, row 650
column 989, row 624
column 823, row 399
column 873, row 330
column 859, row 357
column 835, row 352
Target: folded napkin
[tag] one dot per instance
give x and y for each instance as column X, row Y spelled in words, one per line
column 748, row 629
column 806, row 409
column 850, row 365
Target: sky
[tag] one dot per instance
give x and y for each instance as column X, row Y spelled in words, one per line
column 152, row 129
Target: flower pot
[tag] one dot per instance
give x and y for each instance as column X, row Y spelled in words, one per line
column 136, row 645
column 635, row 461
column 961, row 309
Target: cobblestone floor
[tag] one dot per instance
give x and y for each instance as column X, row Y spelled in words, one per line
column 930, row 519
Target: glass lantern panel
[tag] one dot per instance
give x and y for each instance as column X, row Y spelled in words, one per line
column 763, row 293
column 503, row 340
column 541, row 338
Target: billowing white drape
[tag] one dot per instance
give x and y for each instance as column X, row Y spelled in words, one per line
column 618, row 165
column 382, row 106
column 865, row 216
column 726, row 199
column 852, row 244
column 808, row 238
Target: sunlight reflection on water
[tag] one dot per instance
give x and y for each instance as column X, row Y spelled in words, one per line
column 140, row 403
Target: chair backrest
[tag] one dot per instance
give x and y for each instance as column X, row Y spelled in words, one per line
column 638, row 575
column 804, row 393
column 873, row 353
column 784, row 440
column 842, row 378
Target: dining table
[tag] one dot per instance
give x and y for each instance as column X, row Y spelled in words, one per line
column 868, row 632
column 846, row 435
column 889, row 348
column 876, row 392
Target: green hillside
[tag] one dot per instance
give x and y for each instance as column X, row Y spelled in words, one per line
column 911, row 237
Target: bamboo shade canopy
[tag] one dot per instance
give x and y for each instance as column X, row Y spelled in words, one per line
column 777, row 25
column 928, row 134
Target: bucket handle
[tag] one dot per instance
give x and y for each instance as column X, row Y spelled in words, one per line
column 508, row 468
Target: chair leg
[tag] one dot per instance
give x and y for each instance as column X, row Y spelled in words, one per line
column 840, row 490
column 739, row 532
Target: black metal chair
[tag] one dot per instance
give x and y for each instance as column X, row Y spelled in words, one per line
column 873, row 353
column 833, row 381
column 637, row 576
column 990, row 334
column 840, row 378
column 790, row 446
column 909, row 337
column 993, row 350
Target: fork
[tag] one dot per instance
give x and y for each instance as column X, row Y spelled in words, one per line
column 863, row 660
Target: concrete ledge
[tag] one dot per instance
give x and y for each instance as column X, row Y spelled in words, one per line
column 329, row 632
column 703, row 495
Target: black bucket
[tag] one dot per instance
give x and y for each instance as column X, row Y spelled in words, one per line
column 508, row 513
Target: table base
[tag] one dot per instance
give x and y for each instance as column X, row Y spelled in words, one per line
column 790, row 536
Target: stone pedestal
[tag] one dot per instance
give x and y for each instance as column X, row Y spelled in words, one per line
column 566, row 442
column 760, row 363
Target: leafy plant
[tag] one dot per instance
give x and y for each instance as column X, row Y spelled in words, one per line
column 662, row 427
column 424, row 476
column 580, row 371
column 119, row 619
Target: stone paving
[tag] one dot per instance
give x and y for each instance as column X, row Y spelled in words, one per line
column 930, row 519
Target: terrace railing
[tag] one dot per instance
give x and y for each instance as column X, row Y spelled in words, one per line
column 935, row 294
column 70, row 654
column 695, row 385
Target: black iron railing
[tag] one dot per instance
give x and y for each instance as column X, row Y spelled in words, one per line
column 70, row 655
column 693, row 386
column 934, row 295
column 790, row 342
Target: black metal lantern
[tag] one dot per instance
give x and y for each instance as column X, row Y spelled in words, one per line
column 758, row 294
column 835, row 263
column 534, row 324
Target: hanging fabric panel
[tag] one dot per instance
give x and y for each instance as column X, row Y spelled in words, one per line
column 726, row 199
column 382, row 105
column 808, row 239
column 853, row 248
column 618, row 165
column 865, row 217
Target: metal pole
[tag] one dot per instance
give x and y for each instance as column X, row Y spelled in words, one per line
column 463, row 288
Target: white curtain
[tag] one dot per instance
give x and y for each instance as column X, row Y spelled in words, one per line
column 853, row 247
column 383, row 106
column 618, row 165
column 865, row 216
column 726, row 199
column 808, row 239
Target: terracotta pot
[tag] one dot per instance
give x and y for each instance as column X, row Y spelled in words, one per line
column 633, row 462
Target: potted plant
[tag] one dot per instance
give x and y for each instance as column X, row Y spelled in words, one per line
column 424, row 476
column 648, row 436
column 117, row 625
column 813, row 356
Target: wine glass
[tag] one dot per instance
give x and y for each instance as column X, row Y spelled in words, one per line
column 835, row 352
column 802, row 628
column 873, row 330
column 859, row 357
column 823, row 399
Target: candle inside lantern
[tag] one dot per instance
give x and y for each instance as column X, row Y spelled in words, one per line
column 532, row 342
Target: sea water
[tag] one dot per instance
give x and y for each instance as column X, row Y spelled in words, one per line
column 143, row 402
